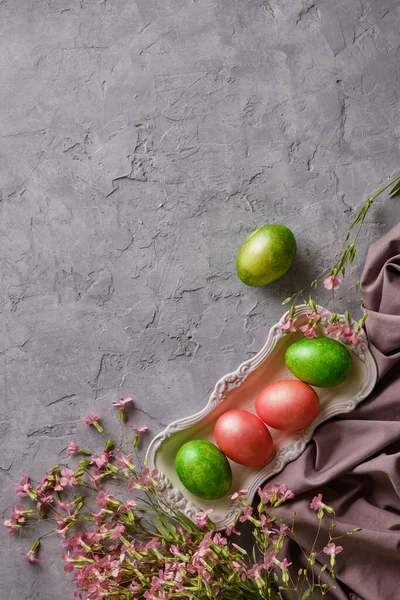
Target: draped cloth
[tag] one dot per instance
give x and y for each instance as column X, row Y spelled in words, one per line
column 354, row 460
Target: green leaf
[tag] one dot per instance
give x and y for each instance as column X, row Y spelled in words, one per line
column 287, row 300
column 186, row 522
column 395, row 190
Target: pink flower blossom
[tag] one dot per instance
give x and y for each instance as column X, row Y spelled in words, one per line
column 316, row 315
column 18, row 512
column 247, row 514
column 351, row 336
column 316, row 503
column 255, row 571
column 331, row 549
column 101, row 461
column 11, row 526
column 334, row 331
column 309, row 330
column 230, row 530
column 24, row 487
column 147, row 479
column 285, row 564
column 69, row 562
column 30, row 557
column 265, row 523
column 122, row 403
column 44, row 499
column 270, row 560
column 117, row 532
column 73, row 448
column 354, row 339
column 332, row 283
column 276, row 491
column 91, row 419
column 103, row 498
column 139, row 430
column 123, row 461
column 219, row 540
column 288, row 326
column 201, row 518
column 67, row 478
column 132, row 485
column 238, row 494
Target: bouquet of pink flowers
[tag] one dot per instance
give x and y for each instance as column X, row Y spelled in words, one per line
column 136, row 546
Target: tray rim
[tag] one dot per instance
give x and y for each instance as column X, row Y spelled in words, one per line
column 176, row 499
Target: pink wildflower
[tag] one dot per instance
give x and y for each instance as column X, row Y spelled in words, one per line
column 255, row 571
column 316, row 503
column 30, row 556
column 354, row 339
column 351, row 336
column 122, row 403
column 24, row 487
column 230, row 530
column 270, row 560
column 309, row 330
column 238, row 494
column 92, row 419
column 103, row 498
column 143, row 429
column 101, row 461
column 44, row 499
column 334, row 331
column 285, row 564
column 132, row 485
column 247, row 514
column 117, row 532
column 149, row 478
column 202, row 517
column 219, row 540
column 68, row 478
column 123, row 461
column 69, row 562
column 11, row 526
column 18, row 512
column 332, row 283
column 331, row 549
column 288, row 326
column 283, row 529
column 275, row 492
column 73, row 448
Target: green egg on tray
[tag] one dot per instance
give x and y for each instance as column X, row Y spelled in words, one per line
column 203, row 469
column 322, row 362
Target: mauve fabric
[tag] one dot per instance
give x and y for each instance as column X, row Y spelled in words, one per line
column 354, row 460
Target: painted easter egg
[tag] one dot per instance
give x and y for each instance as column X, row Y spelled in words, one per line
column 243, row 438
column 288, row 405
column 266, row 255
column 203, row 469
column 319, row 361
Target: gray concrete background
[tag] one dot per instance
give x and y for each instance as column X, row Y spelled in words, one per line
column 140, row 143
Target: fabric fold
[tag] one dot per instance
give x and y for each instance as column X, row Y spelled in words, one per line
column 354, row 459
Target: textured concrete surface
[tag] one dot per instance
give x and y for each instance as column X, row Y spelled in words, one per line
column 141, row 142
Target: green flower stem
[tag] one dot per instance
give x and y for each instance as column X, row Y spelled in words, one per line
column 348, row 252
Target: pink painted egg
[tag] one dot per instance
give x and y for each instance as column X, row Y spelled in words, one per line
column 287, row 405
column 243, row 438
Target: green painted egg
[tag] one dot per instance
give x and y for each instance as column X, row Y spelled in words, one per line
column 319, row 361
column 266, row 255
column 203, row 469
